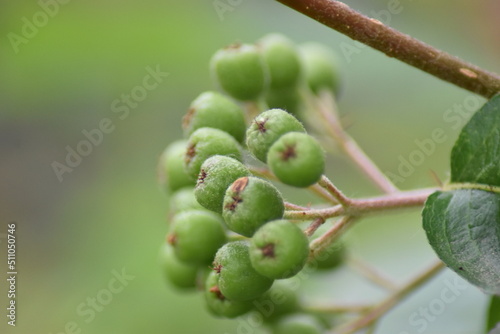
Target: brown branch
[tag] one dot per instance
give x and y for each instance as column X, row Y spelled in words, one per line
column 393, row 43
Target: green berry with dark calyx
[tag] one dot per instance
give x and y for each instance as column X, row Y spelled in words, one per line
column 171, row 172
column 218, row 304
column 296, row 159
column 207, row 142
column 184, row 200
column 177, row 273
column 216, row 175
column 277, row 302
column 268, row 127
column 238, row 280
column 320, row 68
column 282, row 60
column 288, row 99
column 196, row 236
column 279, row 249
column 214, row 110
column 249, row 203
column 240, row 71
column 298, row 324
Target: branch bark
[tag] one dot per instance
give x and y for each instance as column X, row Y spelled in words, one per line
column 393, row 43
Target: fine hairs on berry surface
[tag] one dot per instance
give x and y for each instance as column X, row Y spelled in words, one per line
column 213, row 186
column 258, row 138
column 223, row 214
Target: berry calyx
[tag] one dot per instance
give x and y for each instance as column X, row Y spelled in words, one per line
column 296, row 159
column 249, row 203
column 207, row 142
column 267, row 128
column 279, row 249
column 238, row 280
column 218, row 304
column 216, row 175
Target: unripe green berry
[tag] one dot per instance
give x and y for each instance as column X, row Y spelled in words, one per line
column 320, row 68
column 277, row 302
column 218, row 304
column 171, row 172
column 330, row 258
column 184, row 200
column 288, row 99
column 214, row 110
column 268, row 127
column 238, row 280
column 206, row 142
column 298, row 324
column 216, row 175
column 296, row 159
column 239, row 70
column 279, row 249
column 177, row 273
column 196, row 236
column 249, row 203
column 282, row 60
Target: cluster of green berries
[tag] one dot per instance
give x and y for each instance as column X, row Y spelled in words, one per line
column 227, row 235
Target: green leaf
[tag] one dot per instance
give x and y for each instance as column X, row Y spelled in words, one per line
column 463, row 227
column 475, row 158
column 494, row 315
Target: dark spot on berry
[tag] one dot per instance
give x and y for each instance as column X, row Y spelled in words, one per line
column 217, row 268
column 202, row 176
column 239, row 185
column 288, row 153
column 172, row 239
column 187, row 118
column 232, row 206
column 190, row 153
column 261, row 125
column 268, row 250
column 215, row 289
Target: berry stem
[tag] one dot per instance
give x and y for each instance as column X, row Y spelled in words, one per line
column 318, row 245
column 334, row 191
column 333, row 309
column 327, row 109
column 371, row 273
column 314, row 226
column 381, row 309
column 357, row 207
column 393, row 43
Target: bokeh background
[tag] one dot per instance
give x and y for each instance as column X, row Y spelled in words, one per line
column 109, row 215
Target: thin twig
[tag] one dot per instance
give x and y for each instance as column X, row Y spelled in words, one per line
column 357, row 207
column 318, row 245
column 291, row 206
column 372, row 274
column 334, row 191
column 393, row 43
column 328, row 111
column 313, row 227
column 333, row 309
column 373, row 315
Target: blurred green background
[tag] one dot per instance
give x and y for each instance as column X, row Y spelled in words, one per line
column 108, row 214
